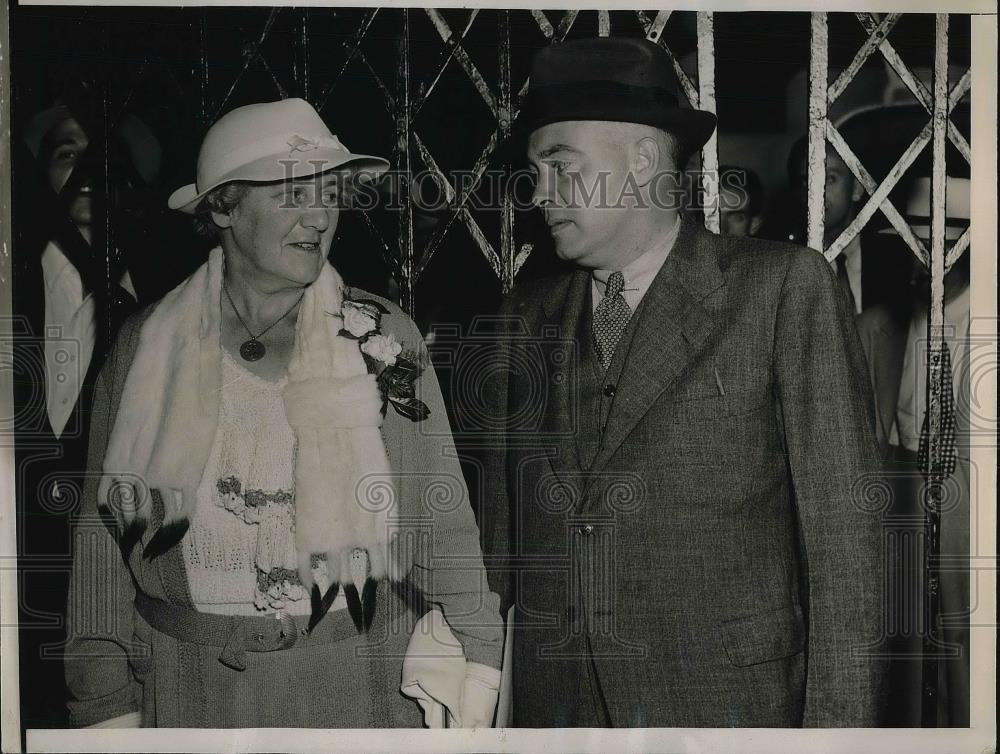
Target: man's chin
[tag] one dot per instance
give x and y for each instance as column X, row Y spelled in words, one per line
column 564, row 250
column 80, row 211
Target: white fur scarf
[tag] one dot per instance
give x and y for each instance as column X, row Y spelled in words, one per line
column 345, row 499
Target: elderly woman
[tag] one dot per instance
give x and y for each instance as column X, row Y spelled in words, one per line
column 273, row 498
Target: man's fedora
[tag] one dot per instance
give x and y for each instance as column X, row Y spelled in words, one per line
column 958, row 203
column 620, row 79
column 269, row 141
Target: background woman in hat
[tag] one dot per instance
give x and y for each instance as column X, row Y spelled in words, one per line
column 261, row 502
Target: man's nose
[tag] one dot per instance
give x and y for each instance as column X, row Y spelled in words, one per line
column 543, row 194
column 317, row 218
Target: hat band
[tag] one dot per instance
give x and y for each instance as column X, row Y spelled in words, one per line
column 290, row 146
column 597, row 100
column 950, row 222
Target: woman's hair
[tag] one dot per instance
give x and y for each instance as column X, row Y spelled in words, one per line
column 223, row 199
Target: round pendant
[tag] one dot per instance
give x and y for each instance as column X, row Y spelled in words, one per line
column 252, row 350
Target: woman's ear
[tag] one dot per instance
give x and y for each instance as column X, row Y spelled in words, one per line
column 222, row 219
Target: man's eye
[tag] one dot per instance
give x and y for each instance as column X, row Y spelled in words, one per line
column 66, row 155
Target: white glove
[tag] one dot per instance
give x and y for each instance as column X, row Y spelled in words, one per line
column 128, row 720
column 479, row 696
column 452, row 692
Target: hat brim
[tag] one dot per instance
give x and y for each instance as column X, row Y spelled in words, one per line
column 272, row 168
column 923, row 232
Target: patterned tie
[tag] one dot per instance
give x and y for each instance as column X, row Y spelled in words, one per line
column 947, row 466
column 610, row 319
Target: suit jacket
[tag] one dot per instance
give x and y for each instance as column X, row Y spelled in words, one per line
column 50, row 476
column 883, row 337
column 712, row 564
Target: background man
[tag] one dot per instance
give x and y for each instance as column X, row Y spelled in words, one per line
column 741, row 201
column 71, row 292
column 677, row 531
column 895, row 342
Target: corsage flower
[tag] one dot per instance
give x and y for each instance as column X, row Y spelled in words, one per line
column 395, row 372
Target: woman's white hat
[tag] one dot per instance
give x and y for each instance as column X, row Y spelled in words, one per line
column 270, row 141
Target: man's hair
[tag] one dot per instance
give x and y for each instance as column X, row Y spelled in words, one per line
column 745, row 180
column 671, row 145
column 223, row 199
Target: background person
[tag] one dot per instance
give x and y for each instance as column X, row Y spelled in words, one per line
column 68, row 312
column 895, row 343
column 741, row 201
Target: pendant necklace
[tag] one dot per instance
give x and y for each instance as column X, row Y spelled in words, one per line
column 253, row 349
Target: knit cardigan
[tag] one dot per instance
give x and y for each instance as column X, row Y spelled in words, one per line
column 116, row 663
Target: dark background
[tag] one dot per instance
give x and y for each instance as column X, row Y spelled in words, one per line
column 178, row 69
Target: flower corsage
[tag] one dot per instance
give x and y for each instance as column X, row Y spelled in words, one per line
column 395, row 372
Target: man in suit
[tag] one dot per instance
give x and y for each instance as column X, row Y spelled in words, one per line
column 895, row 343
column 674, row 496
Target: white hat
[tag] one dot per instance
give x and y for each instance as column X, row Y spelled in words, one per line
column 270, row 141
column 956, row 210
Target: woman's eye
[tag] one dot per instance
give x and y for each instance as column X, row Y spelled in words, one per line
column 66, row 155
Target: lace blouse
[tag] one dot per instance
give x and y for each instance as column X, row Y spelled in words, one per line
column 240, row 550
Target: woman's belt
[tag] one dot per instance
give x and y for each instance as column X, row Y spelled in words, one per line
column 236, row 635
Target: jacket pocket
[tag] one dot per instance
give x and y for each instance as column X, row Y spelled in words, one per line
column 766, row 636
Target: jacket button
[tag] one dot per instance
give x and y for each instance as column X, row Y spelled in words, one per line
column 609, row 390
column 587, row 530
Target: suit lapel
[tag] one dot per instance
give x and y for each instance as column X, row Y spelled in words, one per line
column 675, row 318
column 558, row 330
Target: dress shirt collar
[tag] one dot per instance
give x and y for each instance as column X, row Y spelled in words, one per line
column 54, row 265
column 640, row 272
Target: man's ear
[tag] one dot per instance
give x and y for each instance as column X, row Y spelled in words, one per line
column 646, row 163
